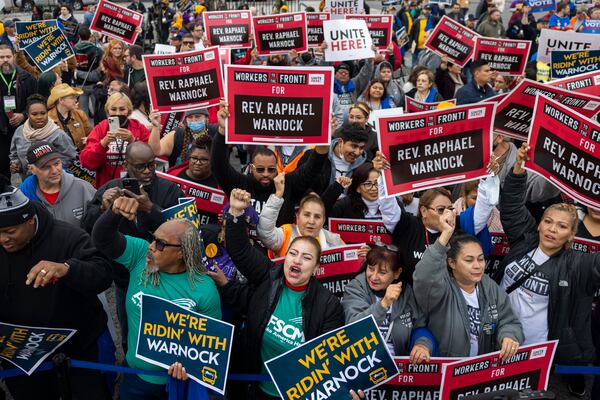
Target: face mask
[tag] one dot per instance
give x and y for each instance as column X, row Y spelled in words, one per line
column 196, row 126
column 123, row 121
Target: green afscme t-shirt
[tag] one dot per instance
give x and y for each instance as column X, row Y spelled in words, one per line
column 284, row 331
column 203, row 298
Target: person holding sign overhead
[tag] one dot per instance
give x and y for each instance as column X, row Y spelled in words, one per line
column 289, row 306
column 468, row 313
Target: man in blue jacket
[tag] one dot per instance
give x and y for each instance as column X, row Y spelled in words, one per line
column 479, row 88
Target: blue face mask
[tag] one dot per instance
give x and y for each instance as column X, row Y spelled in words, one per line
column 196, row 126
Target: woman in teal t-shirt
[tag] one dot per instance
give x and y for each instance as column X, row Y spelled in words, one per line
column 288, row 305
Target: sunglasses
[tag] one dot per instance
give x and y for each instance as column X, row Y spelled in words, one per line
column 142, row 167
column 188, row 43
column 440, row 210
column 260, row 170
column 161, row 244
column 389, row 247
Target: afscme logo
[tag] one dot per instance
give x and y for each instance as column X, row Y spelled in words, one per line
column 289, row 331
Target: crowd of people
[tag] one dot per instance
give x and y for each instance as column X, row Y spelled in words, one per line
column 81, row 210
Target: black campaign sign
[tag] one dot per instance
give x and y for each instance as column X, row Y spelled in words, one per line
column 116, row 21
column 228, row 28
column 453, row 40
column 277, row 34
column 506, row 56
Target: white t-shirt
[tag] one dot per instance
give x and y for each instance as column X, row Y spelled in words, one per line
column 530, row 301
column 474, row 320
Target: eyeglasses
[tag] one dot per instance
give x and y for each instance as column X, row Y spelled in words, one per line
column 142, row 167
column 389, row 247
column 440, row 210
column 261, row 170
column 161, row 244
column 186, row 43
column 369, row 184
column 197, row 160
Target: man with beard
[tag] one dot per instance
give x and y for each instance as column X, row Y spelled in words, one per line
column 170, row 267
column 156, row 194
column 50, row 276
column 263, row 169
column 15, row 87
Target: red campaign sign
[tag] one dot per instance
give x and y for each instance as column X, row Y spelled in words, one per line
column 115, row 21
column 360, row 230
column 314, row 27
column 184, row 81
column 209, row 201
column 515, row 111
column 339, row 265
column 500, row 242
column 278, row 105
column 434, row 148
column 529, row 368
column 281, row 33
column 453, row 40
column 380, row 28
column 588, row 83
column 415, row 381
column 506, row 56
column 413, row 105
column 170, row 121
column 228, row 28
column 566, row 150
column 586, row 245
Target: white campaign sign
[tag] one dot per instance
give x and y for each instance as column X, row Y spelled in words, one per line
column 347, row 40
column 551, row 40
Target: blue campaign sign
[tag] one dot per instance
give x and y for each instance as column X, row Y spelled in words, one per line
column 186, row 209
column 541, row 5
column 564, row 64
column 50, row 50
column 27, row 346
column 351, row 357
column 170, row 333
column 30, row 32
column 591, row 26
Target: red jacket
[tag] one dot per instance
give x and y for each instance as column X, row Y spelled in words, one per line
column 108, row 162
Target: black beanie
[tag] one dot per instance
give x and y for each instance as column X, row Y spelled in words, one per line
column 15, row 207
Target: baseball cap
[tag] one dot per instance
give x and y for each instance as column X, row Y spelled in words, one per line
column 39, row 153
column 9, row 23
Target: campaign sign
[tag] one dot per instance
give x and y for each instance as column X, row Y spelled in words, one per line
column 280, row 33
column 30, row 32
column 170, row 121
column 81, row 172
column 339, row 8
column 170, row 333
column 452, row 39
column 116, row 21
column 541, row 5
column 278, row 105
column 184, row 81
column 228, row 28
column 160, row 48
column 209, row 201
column 515, row 111
column 501, row 249
column 506, row 56
column 50, row 50
column 380, row 28
column 186, row 209
column 591, row 26
column 26, row 347
column 354, row 356
column 529, row 368
column 552, row 40
column 413, row 105
column 360, row 230
column 347, row 39
column 566, row 150
column 434, row 148
column 338, row 266
column 314, row 27
column 586, row 245
column 414, row 381
column 570, row 63
column 588, row 83
column 68, row 27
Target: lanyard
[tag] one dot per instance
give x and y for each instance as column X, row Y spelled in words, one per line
column 426, row 237
column 9, row 87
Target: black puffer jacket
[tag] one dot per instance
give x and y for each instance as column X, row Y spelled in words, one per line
column 321, row 310
column 573, row 276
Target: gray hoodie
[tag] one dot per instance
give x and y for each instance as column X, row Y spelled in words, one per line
column 393, row 89
column 72, row 199
column 439, row 296
column 359, row 301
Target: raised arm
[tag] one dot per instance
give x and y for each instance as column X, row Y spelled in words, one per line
column 268, row 232
column 388, row 206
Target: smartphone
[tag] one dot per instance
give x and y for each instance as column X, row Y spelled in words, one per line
column 131, row 184
column 113, row 124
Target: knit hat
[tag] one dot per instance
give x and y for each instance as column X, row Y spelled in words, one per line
column 60, row 91
column 15, row 207
column 198, row 111
column 39, row 153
